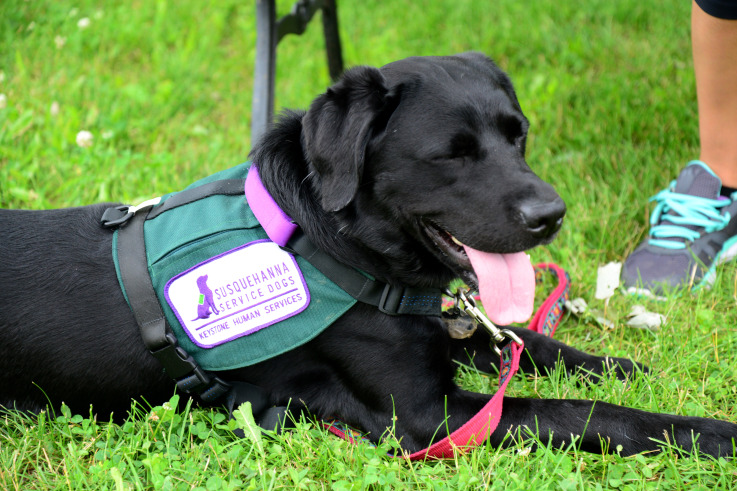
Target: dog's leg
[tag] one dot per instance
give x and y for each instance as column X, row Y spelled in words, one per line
column 599, row 426
column 377, row 373
column 541, row 354
column 396, row 374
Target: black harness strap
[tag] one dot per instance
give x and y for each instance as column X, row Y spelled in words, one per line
column 228, row 187
column 390, row 299
column 117, row 216
column 156, row 335
column 161, row 341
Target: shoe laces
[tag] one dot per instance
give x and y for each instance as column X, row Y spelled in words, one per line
column 688, row 216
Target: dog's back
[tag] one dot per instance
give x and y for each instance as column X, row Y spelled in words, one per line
column 62, row 258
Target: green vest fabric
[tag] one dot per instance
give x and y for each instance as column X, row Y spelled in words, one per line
column 188, row 235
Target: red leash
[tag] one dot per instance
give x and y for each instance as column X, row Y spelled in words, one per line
column 548, row 316
column 472, row 434
column 476, row 430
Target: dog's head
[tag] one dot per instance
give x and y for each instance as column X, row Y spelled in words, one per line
column 420, row 156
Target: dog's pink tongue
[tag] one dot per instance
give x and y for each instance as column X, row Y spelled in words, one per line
column 506, row 285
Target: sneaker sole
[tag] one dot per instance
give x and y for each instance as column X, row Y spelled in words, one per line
column 643, row 292
column 727, row 254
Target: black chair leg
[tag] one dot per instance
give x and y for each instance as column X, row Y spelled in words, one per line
column 265, row 70
column 269, row 31
column 332, row 38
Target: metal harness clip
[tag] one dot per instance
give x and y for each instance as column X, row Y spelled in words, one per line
column 469, row 306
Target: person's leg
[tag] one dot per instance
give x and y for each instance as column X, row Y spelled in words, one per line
column 693, row 229
column 714, row 43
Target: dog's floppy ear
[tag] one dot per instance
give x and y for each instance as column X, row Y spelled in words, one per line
column 338, row 128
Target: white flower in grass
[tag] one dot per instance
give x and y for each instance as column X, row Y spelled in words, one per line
column 199, row 130
column 60, row 41
column 83, row 23
column 84, row 139
column 54, row 109
column 524, row 452
column 3, row 101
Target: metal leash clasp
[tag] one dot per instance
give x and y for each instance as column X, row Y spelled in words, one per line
column 468, row 303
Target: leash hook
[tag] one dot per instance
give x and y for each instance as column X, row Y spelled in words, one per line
column 469, row 306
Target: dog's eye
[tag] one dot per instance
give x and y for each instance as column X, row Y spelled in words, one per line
column 512, row 128
column 515, row 130
column 464, row 145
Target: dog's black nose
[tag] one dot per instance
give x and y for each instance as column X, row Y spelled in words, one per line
column 543, row 218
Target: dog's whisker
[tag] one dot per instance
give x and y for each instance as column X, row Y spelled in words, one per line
column 306, row 177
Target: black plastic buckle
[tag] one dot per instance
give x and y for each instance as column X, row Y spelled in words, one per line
column 391, row 299
column 117, row 216
column 174, row 359
column 194, row 383
column 188, row 375
column 216, row 390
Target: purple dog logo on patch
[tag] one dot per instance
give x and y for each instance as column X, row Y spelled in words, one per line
column 205, row 302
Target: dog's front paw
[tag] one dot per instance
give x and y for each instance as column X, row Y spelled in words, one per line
column 701, row 435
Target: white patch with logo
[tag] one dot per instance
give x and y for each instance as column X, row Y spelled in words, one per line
column 237, row 293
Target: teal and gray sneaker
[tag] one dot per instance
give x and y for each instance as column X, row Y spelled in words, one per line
column 692, row 230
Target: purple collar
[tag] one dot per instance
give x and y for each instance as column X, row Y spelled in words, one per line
column 277, row 224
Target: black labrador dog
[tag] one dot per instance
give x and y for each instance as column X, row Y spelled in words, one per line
column 398, row 172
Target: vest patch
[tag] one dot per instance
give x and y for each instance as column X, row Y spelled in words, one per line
column 237, row 293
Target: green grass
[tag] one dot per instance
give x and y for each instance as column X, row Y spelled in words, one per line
column 165, row 87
